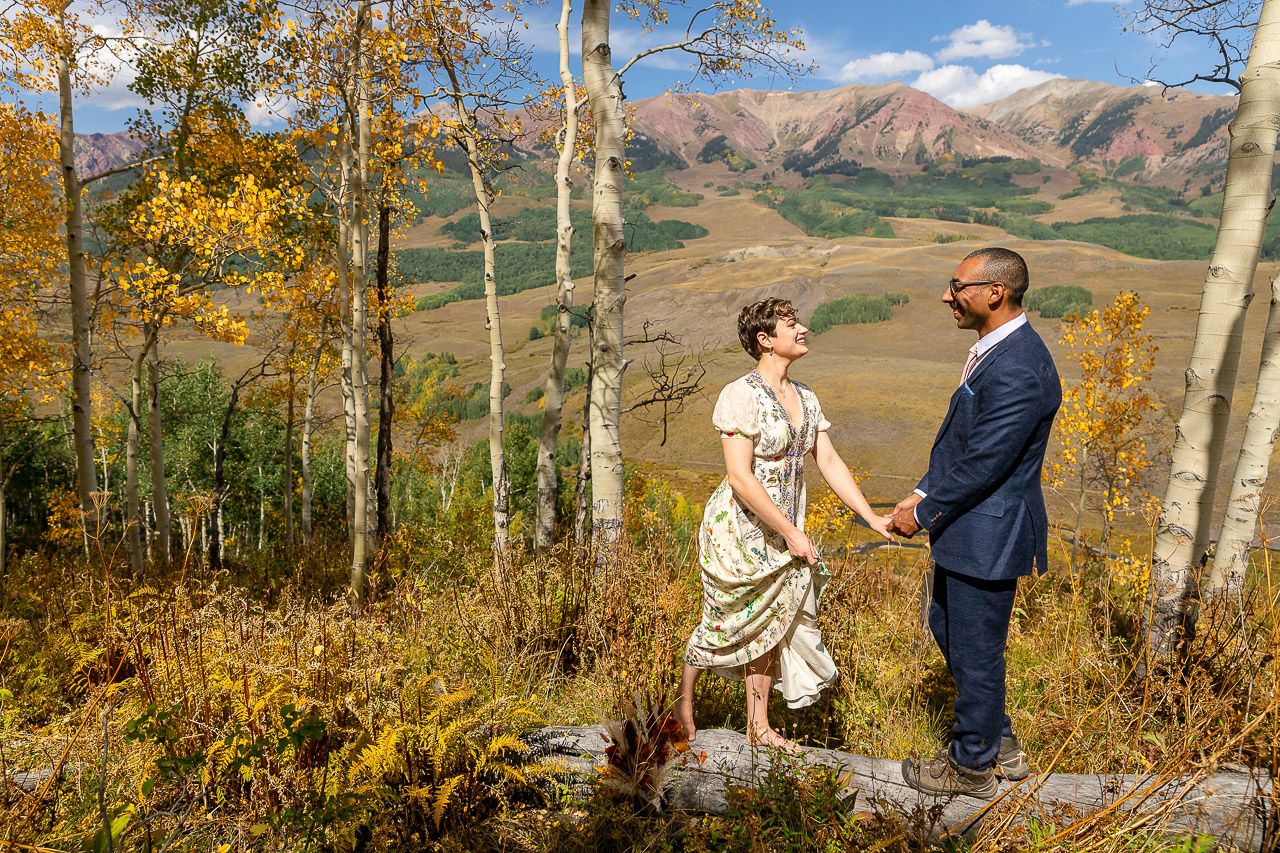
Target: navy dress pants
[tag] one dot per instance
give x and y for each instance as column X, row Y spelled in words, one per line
column 969, row 618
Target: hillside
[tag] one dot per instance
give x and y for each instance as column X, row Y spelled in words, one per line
column 826, row 195
column 1171, row 138
column 888, row 126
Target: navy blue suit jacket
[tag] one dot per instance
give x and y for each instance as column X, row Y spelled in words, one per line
column 985, row 509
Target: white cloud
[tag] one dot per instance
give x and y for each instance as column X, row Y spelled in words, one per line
column 983, row 40
column 962, row 87
column 883, row 66
column 264, row 114
column 111, row 63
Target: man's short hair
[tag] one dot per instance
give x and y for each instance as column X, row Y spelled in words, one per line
column 1005, row 266
column 762, row 316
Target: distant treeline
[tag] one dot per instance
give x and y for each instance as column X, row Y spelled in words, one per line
column 525, row 265
column 1058, row 300
column 857, row 308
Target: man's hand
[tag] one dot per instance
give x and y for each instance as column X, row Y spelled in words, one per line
column 903, row 519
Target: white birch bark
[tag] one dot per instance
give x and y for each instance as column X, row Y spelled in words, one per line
column 308, row 427
column 359, row 318
column 163, row 544
column 1240, row 520
column 604, row 93
column 290, row 424
column 133, row 437
column 1182, row 535
column 78, row 291
column 344, row 321
column 470, row 134
column 548, row 472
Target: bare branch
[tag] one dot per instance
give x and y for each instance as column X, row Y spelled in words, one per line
column 118, row 169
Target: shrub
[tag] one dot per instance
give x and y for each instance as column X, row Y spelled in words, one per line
column 1058, row 300
column 848, row 310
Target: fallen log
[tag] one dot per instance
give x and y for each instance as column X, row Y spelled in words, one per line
column 1236, row 808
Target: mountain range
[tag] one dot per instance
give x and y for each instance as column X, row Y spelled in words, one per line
column 1168, row 137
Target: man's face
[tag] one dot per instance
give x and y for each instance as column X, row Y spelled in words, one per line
column 970, row 306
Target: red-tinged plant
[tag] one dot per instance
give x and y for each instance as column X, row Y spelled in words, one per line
column 640, row 761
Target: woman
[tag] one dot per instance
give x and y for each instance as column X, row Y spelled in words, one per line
column 761, row 576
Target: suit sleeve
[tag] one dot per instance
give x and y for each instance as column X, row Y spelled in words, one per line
column 1008, row 413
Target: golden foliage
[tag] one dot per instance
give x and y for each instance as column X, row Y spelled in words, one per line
column 30, row 256
column 1105, row 421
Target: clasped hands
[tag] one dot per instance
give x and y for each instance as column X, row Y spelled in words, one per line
column 902, row 520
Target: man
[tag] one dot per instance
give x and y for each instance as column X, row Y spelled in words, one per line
column 982, row 505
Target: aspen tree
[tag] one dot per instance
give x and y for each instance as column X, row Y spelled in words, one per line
column 1182, row 534
column 553, row 397
column 1105, row 421
column 1240, row 519
column 739, row 34
column 42, row 44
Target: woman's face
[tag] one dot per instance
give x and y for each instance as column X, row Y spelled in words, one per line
column 787, row 340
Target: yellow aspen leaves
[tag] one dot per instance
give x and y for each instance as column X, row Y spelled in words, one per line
column 1107, row 413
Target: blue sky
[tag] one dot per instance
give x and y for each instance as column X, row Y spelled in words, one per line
column 962, row 53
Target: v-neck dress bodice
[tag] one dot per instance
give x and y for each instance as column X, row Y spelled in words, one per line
column 755, row 595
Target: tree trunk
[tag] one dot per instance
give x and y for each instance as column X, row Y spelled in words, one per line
column 387, row 362
column 1182, row 534
column 4, row 534
column 1227, row 806
column 345, row 324
column 262, row 511
column 133, row 438
column 81, row 356
column 289, row 423
column 1231, row 557
column 162, row 548
column 359, row 315
column 470, row 132
column 308, row 427
column 553, row 399
column 604, row 92
column 220, row 483
column 1080, row 498
column 581, row 510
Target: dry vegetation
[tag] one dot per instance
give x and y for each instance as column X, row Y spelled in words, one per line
column 249, row 711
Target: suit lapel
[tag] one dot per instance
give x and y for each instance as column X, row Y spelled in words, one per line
column 978, row 369
column 996, row 352
column 951, row 410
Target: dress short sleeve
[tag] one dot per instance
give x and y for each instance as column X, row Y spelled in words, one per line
column 737, row 412
column 821, row 419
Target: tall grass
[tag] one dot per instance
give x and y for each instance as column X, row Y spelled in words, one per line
column 193, row 714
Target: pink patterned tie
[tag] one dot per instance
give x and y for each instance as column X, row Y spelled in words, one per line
column 968, row 365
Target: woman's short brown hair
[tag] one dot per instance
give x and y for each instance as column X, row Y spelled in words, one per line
column 762, row 316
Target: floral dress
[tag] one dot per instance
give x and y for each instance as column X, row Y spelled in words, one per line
column 755, row 595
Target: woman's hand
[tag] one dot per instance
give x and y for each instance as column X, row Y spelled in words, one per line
column 880, row 524
column 800, row 546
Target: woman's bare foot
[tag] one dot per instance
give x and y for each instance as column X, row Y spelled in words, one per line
column 772, row 740
column 684, row 716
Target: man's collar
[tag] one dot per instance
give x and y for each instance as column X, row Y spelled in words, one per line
column 1001, row 332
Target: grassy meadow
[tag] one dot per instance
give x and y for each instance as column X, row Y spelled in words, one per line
column 248, row 711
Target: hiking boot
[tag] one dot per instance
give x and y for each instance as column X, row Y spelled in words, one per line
column 941, row 776
column 1011, row 763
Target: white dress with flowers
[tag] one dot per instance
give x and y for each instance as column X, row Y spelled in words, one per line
column 755, row 595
